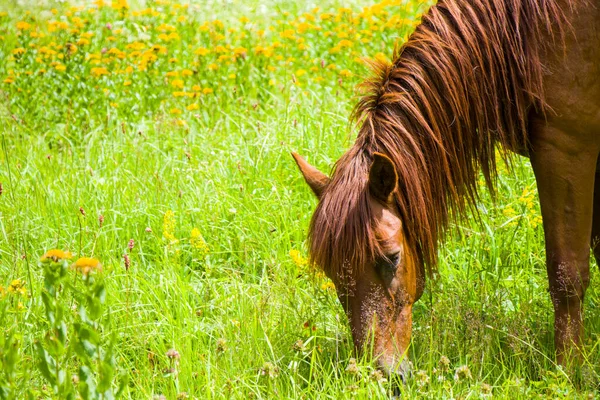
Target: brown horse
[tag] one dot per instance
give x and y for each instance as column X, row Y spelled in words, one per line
column 521, row 74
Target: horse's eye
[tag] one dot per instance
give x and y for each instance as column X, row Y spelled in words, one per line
column 389, row 261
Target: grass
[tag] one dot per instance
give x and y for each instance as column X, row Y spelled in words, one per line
column 186, row 151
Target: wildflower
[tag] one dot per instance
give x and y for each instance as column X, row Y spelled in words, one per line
column 86, row 265
column 201, row 51
column 197, row 241
column 297, row 258
column 148, row 229
column 17, row 286
column 352, row 368
column 377, row 376
column 178, row 83
column 462, row 372
column 299, row 346
column 444, row 364
column 269, row 369
column 345, row 73
column 131, row 244
column 56, row 256
column 23, row 26
column 422, row 379
column 82, row 211
column 193, row 107
column 486, row 389
column 207, row 90
column 18, row 51
column 187, row 72
column 221, row 345
column 127, row 83
column 99, row 71
column 9, row 80
column 60, row 67
column 175, row 111
column 328, row 285
column 126, row 261
column 173, row 354
column 169, row 226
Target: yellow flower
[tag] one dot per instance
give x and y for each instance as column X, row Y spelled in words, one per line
column 82, row 41
column 23, row 26
column 297, row 258
column 192, row 107
column 114, row 105
column 207, row 90
column 169, row 226
column 178, row 83
column 201, row 51
column 213, row 67
column 197, row 241
column 17, row 286
column 346, row 73
column 328, row 285
column 175, row 111
column 9, row 80
column 18, row 51
column 99, row 71
column 127, row 83
column 196, row 88
column 300, row 72
column 60, row 67
column 187, row 72
column 85, row 265
column 56, row 255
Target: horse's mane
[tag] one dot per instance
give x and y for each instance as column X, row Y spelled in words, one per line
column 464, row 82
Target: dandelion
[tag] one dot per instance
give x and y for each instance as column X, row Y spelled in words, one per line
column 55, row 256
column 86, row 265
column 193, row 107
column 99, row 71
column 328, row 286
column 345, row 73
column 175, row 111
column 177, row 83
column 187, row 72
column 207, row 90
column 127, row 83
column 60, row 67
column 23, row 26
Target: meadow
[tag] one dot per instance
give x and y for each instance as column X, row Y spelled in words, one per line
column 153, row 222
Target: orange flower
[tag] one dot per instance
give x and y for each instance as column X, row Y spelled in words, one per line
column 86, row 265
column 56, row 255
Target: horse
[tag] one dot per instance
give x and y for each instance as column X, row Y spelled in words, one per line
column 475, row 76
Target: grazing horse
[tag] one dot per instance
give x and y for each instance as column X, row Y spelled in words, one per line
column 523, row 75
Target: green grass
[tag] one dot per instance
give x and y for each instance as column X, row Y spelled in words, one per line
column 236, row 311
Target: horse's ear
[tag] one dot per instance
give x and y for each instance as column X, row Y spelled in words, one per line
column 382, row 177
column 315, row 178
